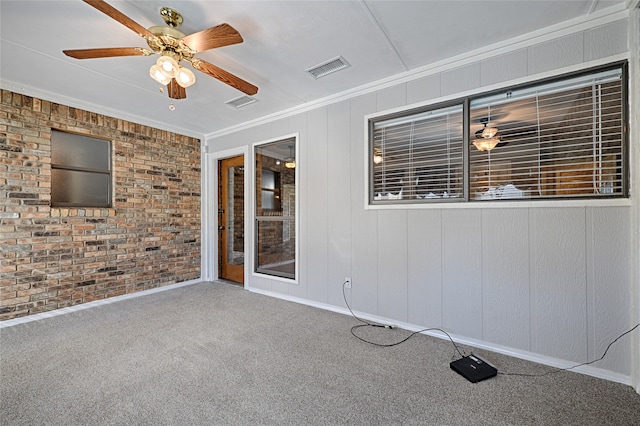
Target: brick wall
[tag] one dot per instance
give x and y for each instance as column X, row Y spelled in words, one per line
column 56, row 257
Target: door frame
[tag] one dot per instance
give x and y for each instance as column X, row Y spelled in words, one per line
column 229, row 271
column 210, row 213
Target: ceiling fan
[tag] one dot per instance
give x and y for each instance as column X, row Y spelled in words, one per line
column 489, row 136
column 173, row 47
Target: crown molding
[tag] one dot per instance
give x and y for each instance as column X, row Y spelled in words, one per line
column 572, row 26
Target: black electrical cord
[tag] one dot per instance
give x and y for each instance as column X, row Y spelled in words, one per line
column 371, row 324
column 557, row 370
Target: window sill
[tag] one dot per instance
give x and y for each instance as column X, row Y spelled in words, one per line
column 275, row 278
column 503, row 204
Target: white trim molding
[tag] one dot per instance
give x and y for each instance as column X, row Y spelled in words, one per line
column 516, row 353
column 210, row 211
column 93, row 304
column 539, row 36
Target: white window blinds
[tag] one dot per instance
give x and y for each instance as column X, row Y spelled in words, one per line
column 418, row 156
column 559, row 140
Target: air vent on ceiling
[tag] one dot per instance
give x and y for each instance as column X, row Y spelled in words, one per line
column 328, row 67
column 241, row 101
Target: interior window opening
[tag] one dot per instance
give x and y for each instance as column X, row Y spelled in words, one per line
column 418, row 156
column 276, row 208
column 560, row 139
column 80, row 170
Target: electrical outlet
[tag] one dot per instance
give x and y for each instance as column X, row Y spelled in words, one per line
column 347, row 282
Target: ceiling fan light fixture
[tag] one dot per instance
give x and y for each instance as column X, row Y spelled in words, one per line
column 486, row 144
column 487, row 138
column 489, row 132
column 185, row 77
column 377, row 155
column 168, row 66
column 290, row 161
column 158, row 75
column 173, row 46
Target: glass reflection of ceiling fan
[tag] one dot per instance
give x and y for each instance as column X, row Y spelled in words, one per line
column 488, row 137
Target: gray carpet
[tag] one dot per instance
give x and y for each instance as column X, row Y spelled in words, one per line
column 213, row 353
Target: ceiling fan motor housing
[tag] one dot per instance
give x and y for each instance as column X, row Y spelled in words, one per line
column 168, row 40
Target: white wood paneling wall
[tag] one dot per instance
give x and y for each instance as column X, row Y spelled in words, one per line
column 506, row 272
column 609, row 275
column 558, row 282
column 339, row 205
column 316, row 204
column 424, row 267
column 550, row 281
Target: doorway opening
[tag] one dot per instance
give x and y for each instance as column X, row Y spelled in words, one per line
column 231, row 219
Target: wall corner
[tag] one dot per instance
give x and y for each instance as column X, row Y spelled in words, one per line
column 634, row 153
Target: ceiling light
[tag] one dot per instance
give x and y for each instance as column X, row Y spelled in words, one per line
column 486, row 144
column 185, row 77
column 489, row 132
column 173, row 48
column 377, row 155
column 158, row 76
column 168, row 66
column 290, row 161
column 487, row 138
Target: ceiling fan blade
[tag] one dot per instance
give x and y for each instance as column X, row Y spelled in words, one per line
column 108, row 52
column 224, row 76
column 218, row 36
column 120, row 17
column 175, row 91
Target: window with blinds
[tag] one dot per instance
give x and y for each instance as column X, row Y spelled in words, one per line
column 418, row 157
column 559, row 139
column 563, row 139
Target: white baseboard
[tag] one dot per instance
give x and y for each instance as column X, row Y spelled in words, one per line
column 93, row 304
column 516, row 353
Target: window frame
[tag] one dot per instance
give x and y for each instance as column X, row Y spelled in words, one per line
column 91, row 170
column 467, row 199
column 256, row 190
column 407, row 114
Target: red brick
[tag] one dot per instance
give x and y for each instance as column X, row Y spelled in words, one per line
column 157, row 175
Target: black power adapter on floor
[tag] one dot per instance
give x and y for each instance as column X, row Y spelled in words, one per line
column 474, row 368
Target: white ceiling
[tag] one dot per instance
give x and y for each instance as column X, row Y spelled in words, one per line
column 378, row 38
